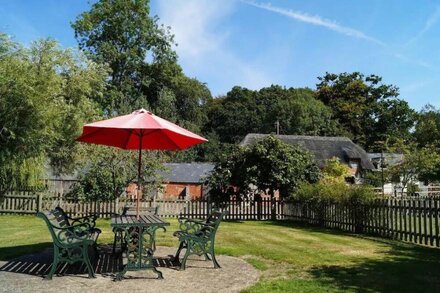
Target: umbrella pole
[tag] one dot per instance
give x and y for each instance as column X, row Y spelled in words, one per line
column 139, row 193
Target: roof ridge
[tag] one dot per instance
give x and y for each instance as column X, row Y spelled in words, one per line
column 315, row 137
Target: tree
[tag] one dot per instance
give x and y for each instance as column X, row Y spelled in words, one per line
column 274, row 165
column 44, row 100
column 427, row 129
column 417, row 164
column 122, row 34
column 108, row 171
column 267, row 166
column 244, row 111
column 144, row 70
column 368, row 110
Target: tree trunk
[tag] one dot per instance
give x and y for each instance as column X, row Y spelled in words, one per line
column 273, row 215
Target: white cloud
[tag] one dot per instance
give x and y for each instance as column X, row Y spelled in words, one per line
column 430, row 21
column 202, row 38
column 414, row 86
column 316, row 20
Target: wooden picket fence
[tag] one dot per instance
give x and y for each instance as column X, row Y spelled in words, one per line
column 415, row 220
column 409, row 219
column 264, row 209
column 31, row 203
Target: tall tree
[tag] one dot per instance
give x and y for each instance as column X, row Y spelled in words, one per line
column 427, row 130
column 243, row 111
column 44, row 99
column 144, row 69
column 122, row 34
column 366, row 108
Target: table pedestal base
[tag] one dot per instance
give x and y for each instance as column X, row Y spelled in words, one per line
column 138, row 249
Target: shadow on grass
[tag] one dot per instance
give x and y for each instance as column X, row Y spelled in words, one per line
column 7, row 253
column 405, row 267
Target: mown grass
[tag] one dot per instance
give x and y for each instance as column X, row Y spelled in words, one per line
column 290, row 256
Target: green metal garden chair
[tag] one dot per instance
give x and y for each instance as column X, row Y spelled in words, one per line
column 198, row 237
column 71, row 243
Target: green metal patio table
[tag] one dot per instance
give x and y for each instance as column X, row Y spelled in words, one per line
column 138, row 241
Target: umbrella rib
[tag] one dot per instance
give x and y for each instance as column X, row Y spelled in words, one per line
column 172, row 141
column 128, row 139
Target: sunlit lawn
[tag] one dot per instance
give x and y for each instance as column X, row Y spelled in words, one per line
column 290, row 256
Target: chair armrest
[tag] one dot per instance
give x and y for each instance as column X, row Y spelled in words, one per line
column 74, row 234
column 91, row 219
column 190, row 225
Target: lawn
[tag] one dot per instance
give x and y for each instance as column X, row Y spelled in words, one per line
column 291, row 257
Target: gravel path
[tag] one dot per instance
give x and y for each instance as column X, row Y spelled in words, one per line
column 24, row 275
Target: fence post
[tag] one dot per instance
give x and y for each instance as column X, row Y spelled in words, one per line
column 258, row 199
column 116, row 211
column 273, row 214
column 39, row 202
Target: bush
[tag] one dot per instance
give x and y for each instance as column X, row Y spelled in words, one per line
column 97, row 184
column 317, row 196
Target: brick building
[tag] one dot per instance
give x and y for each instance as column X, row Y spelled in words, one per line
column 184, row 180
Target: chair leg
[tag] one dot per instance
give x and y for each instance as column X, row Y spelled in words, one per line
column 88, row 264
column 214, row 260
column 177, row 256
column 54, row 264
column 207, row 257
column 114, row 243
column 185, row 257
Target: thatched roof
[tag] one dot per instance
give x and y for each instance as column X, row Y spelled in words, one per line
column 322, row 147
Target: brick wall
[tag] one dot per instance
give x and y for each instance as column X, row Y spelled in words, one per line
column 177, row 190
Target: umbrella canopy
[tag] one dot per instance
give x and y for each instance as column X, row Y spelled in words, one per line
column 137, row 131
column 139, row 128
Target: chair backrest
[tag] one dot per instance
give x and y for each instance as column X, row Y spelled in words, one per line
column 53, row 222
column 61, row 216
column 213, row 221
column 131, row 211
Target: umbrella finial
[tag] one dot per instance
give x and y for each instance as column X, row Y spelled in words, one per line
column 140, row 111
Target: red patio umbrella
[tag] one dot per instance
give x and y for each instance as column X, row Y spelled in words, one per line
column 139, row 130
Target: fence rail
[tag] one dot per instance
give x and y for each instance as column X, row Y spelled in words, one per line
column 415, row 220
column 409, row 219
column 30, row 203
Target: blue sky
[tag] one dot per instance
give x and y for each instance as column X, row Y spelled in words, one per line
column 257, row 43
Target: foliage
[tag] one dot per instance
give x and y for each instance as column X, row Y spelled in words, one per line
column 334, row 192
column 229, row 177
column 367, row 109
column 244, row 111
column 427, row 129
column 334, row 171
column 144, row 72
column 108, row 171
column 123, row 35
column 265, row 167
column 417, row 164
column 44, row 100
column 320, row 195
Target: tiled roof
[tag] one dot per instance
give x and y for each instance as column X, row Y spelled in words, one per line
column 187, row 172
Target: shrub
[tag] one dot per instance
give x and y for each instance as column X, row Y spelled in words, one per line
column 356, row 197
